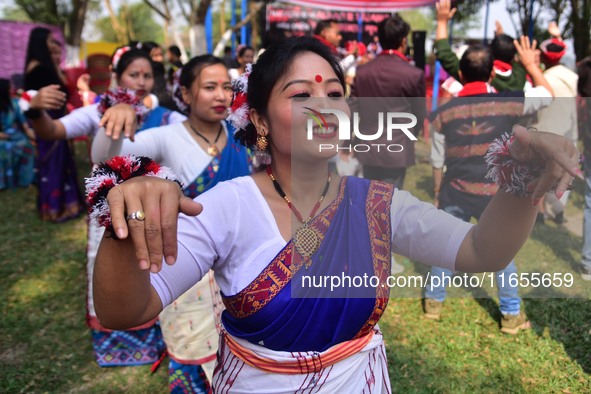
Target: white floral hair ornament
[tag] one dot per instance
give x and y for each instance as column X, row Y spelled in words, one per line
column 239, row 111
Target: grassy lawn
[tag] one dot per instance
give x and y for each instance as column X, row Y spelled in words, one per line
column 45, row 346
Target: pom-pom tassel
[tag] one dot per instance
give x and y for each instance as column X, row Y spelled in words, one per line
column 511, row 175
column 115, row 171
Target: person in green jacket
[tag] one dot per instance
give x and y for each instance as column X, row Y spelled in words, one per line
column 509, row 74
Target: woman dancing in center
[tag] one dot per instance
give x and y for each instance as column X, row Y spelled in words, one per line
column 242, row 229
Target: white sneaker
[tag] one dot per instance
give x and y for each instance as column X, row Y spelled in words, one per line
column 396, row 268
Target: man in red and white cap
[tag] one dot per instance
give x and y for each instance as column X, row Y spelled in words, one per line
column 561, row 116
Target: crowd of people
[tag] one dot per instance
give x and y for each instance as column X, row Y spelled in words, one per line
column 206, row 273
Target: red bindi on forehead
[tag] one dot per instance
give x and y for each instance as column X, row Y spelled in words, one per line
column 318, row 78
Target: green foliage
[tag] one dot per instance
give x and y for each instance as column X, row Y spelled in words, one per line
column 15, row 14
column 577, row 27
column 573, row 15
column 468, row 10
column 46, row 346
column 69, row 15
column 466, row 18
column 52, row 12
column 522, row 11
column 418, row 19
column 139, row 18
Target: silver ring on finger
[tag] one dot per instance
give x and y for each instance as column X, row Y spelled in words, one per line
column 137, row 215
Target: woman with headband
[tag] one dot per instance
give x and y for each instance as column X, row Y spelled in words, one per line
column 132, row 69
column 202, row 151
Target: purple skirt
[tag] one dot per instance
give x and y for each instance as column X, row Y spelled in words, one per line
column 59, row 198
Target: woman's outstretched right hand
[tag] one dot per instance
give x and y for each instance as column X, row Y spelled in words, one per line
column 49, row 97
column 155, row 236
column 119, row 121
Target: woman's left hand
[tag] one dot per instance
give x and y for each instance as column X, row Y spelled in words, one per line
column 557, row 154
column 119, row 119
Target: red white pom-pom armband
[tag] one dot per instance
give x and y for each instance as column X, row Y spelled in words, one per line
column 511, row 175
column 24, row 102
column 116, row 96
column 115, row 171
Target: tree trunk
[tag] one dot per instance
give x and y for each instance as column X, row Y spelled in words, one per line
column 254, row 9
column 222, row 17
column 179, row 43
column 166, row 37
column 580, row 18
column 74, row 32
column 120, row 30
column 197, row 39
column 73, row 56
column 254, row 38
column 165, row 14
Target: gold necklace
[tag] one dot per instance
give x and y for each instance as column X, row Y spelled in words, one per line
column 212, row 149
column 306, row 238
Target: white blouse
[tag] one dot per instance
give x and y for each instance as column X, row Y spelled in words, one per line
column 84, row 121
column 236, row 235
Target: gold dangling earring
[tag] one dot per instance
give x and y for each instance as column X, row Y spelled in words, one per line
column 262, row 157
column 262, row 142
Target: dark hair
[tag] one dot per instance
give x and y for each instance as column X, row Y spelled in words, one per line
column 476, row 64
column 554, row 48
column 584, row 71
column 38, row 50
column 5, row 101
column 148, row 46
column 192, row 69
column 176, row 51
column 159, row 89
column 502, row 48
column 129, row 57
column 325, row 24
column 391, row 32
column 271, row 66
column 243, row 50
column 273, row 36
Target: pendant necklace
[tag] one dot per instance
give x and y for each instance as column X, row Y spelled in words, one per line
column 306, row 238
column 212, row 149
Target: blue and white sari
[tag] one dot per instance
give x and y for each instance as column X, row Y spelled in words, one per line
column 316, row 339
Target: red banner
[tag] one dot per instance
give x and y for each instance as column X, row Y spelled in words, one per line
column 363, row 5
column 302, row 20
